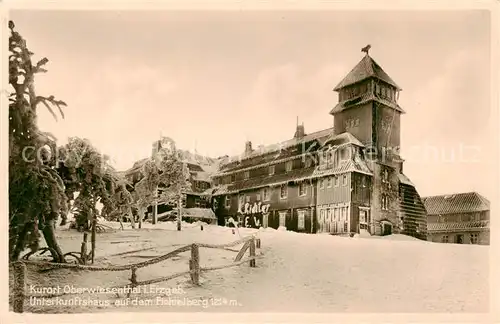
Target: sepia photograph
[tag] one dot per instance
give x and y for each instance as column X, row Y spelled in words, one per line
column 249, row 161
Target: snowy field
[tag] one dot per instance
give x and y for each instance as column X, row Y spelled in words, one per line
column 297, row 273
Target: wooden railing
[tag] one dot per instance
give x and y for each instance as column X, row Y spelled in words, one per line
column 250, row 243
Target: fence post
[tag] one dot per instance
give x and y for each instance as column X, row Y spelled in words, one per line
column 194, row 264
column 133, row 281
column 252, row 252
column 258, row 243
column 19, row 286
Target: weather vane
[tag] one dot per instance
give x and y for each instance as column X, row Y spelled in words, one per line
column 366, row 49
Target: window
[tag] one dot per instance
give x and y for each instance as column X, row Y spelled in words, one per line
column 444, row 239
column 283, row 191
column 241, row 200
column 385, row 202
column 362, row 216
column 336, row 181
column 197, row 202
column 330, row 214
column 383, row 92
column 474, row 238
column 257, row 196
column 308, row 163
column 328, row 158
column 265, row 194
column 289, row 166
column 228, row 202
column 271, row 169
column 441, row 219
column 247, row 174
column 329, row 182
column 301, row 221
column 476, row 217
column 344, row 180
column 302, row 189
column 247, row 199
column 385, row 176
column 363, row 182
column 321, row 183
column 336, row 215
column 232, row 178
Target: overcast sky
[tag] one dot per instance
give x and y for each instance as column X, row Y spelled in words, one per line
column 212, row 80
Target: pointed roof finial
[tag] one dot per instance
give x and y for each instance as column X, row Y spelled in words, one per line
column 366, row 49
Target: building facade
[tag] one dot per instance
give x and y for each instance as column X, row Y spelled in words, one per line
column 462, row 218
column 342, row 180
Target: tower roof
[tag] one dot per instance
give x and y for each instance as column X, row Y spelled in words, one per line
column 366, row 68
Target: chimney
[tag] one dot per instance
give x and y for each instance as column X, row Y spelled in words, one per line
column 248, row 147
column 300, row 132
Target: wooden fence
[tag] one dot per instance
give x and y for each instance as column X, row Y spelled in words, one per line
column 250, row 243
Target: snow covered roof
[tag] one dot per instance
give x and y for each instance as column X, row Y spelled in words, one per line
column 457, row 226
column 202, row 213
column 405, row 180
column 353, row 165
column 277, row 147
column 456, row 203
column 343, row 138
column 366, row 68
column 362, row 99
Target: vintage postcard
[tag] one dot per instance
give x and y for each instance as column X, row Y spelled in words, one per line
column 249, row 162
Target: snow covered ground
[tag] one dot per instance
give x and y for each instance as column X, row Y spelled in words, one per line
column 297, row 273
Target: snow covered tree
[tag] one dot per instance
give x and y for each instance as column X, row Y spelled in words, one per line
column 86, row 171
column 164, row 172
column 36, row 192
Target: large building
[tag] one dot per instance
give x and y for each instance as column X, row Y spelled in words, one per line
column 462, row 218
column 344, row 179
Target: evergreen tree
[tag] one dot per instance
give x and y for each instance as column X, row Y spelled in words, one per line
column 36, row 192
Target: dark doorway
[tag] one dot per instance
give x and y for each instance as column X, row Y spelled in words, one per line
column 459, row 239
column 387, row 229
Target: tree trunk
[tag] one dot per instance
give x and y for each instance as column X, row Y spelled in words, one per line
column 51, row 240
column 93, row 237
column 155, row 214
column 141, row 213
column 131, row 217
column 179, row 214
column 20, row 242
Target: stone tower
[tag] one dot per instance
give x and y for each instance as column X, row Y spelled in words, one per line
column 368, row 109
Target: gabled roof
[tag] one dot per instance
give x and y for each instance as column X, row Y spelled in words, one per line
column 457, row 203
column 366, row 68
column 341, row 139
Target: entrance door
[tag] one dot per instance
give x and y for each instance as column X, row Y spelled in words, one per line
column 387, row 229
column 459, row 239
column 283, row 219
